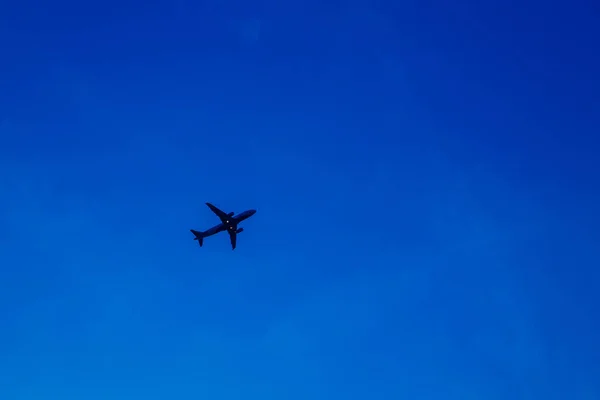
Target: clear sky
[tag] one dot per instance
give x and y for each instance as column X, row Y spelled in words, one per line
column 426, row 177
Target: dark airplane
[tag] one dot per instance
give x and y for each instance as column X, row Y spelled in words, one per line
column 229, row 223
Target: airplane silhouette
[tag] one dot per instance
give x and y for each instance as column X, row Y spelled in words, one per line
column 229, row 223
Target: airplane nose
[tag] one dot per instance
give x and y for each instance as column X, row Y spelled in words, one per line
column 252, row 212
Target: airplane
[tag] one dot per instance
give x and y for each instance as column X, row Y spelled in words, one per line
column 229, row 223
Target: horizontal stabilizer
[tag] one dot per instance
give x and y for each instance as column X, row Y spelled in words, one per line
column 198, row 236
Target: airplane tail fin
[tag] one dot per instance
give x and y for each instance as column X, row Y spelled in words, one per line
column 198, row 236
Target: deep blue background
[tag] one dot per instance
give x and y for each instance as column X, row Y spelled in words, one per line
column 426, row 177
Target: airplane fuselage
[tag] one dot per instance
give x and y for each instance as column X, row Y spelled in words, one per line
column 230, row 224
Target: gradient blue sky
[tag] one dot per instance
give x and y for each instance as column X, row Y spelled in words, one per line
column 426, row 177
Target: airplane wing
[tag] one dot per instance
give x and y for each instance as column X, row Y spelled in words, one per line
column 221, row 214
column 232, row 238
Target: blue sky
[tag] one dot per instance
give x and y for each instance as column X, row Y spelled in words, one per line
column 425, row 175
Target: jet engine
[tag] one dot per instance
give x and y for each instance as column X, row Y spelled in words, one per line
column 239, row 230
